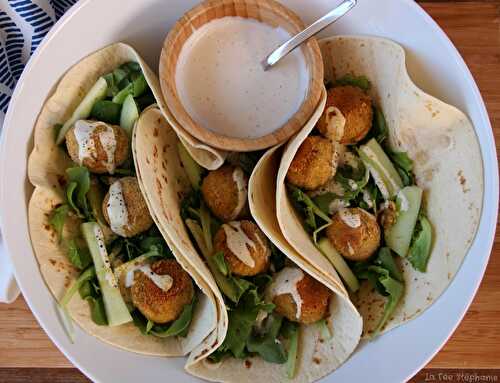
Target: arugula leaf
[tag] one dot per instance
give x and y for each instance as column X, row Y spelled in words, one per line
column 58, row 218
column 404, row 166
column 76, row 192
column 420, row 248
column 221, row 263
column 394, row 291
column 180, row 326
column 357, row 81
column 267, row 346
column 290, row 331
column 386, row 260
column 379, row 129
column 97, row 310
column 241, row 320
column 308, row 208
column 245, row 160
column 79, row 257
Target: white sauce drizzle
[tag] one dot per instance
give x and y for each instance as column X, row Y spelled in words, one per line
column 350, row 219
column 117, row 209
column 242, row 187
column 239, row 243
column 108, row 142
column 367, row 198
column 163, row 282
column 404, row 204
column 335, row 122
column 380, row 183
column 83, row 134
column 285, row 282
column 337, row 204
column 108, row 273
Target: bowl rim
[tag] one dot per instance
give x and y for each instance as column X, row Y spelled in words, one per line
column 218, row 141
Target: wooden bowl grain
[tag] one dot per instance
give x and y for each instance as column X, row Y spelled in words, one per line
column 266, row 11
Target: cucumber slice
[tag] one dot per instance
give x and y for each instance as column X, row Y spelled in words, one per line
column 381, row 168
column 129, row 115
column 398, row 236
column 82, row 111
column 123, row 94
column 140, row 85
column 192, row 168
column 116, row 309
column 106, row 111
column 339, row 263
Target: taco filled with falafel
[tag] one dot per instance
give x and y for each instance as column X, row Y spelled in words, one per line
column 376, row 186
column 279, row 318
column 101, row 252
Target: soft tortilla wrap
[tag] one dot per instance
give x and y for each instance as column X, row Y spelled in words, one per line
column 46, row 170
column 447, row 164
column 165, row 182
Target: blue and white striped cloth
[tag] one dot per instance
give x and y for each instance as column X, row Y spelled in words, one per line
column 23, row 25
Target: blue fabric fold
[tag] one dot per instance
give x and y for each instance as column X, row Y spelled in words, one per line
column 23, row 25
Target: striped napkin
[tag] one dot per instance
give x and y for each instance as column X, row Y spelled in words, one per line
column 23, row 25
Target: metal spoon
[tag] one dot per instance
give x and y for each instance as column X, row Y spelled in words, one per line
column 307, row 33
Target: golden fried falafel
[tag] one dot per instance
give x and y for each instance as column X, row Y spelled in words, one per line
column 102, row 139
column 129, row 212
column 314, row 298
column 156, row 304
column 354, row 233
column 356, row 108
column 313, row 164
column 235, row 237
column 225, row 192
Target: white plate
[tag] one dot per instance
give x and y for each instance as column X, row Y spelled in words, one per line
column 433, row 63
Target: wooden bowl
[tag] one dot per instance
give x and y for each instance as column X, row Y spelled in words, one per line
column 267, row 11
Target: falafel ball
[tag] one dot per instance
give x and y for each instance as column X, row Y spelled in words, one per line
column 225, row 192
column 354, row 233
column 240, row 239
column 97, row 144
column 125, row 209
column 156, row 304
column 314, row 163
column 356, row 108
column 292, row 284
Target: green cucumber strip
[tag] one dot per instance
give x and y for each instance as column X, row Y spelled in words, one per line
column 398, row 236
column 106, row 111
column 381, row 168
column 116, row 309
column 123, row 94
column 140, row 85
column 291, row 360
column 82, row 111
column 191, row 167
column 129, row 115
column 339, row 263
column 420, row 248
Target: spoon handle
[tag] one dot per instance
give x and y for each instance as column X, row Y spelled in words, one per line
column 307, row 33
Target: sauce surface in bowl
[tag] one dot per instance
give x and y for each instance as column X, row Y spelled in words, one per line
column 223, row 87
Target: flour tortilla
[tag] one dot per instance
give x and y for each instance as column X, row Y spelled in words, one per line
column 46, row 170
column 447, row 163
column 165, row 182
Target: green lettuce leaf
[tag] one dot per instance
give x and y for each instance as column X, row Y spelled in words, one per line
column 58, row 218
column 308, row 208
column 221, row 263
column 404, row 166
column 420, row 248
column 77, row 189
column 79, row 257
column 267, row 346
column 180, row 326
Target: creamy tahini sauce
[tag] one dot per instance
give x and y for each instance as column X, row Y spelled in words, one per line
column 239, row 243
column 335, row 121
column 222, row 85
column 353, row 220
column 109, row 276
column 285, row 282
column 163, row 282
column 86, row 144
column 117, row 209
column 242, row 187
